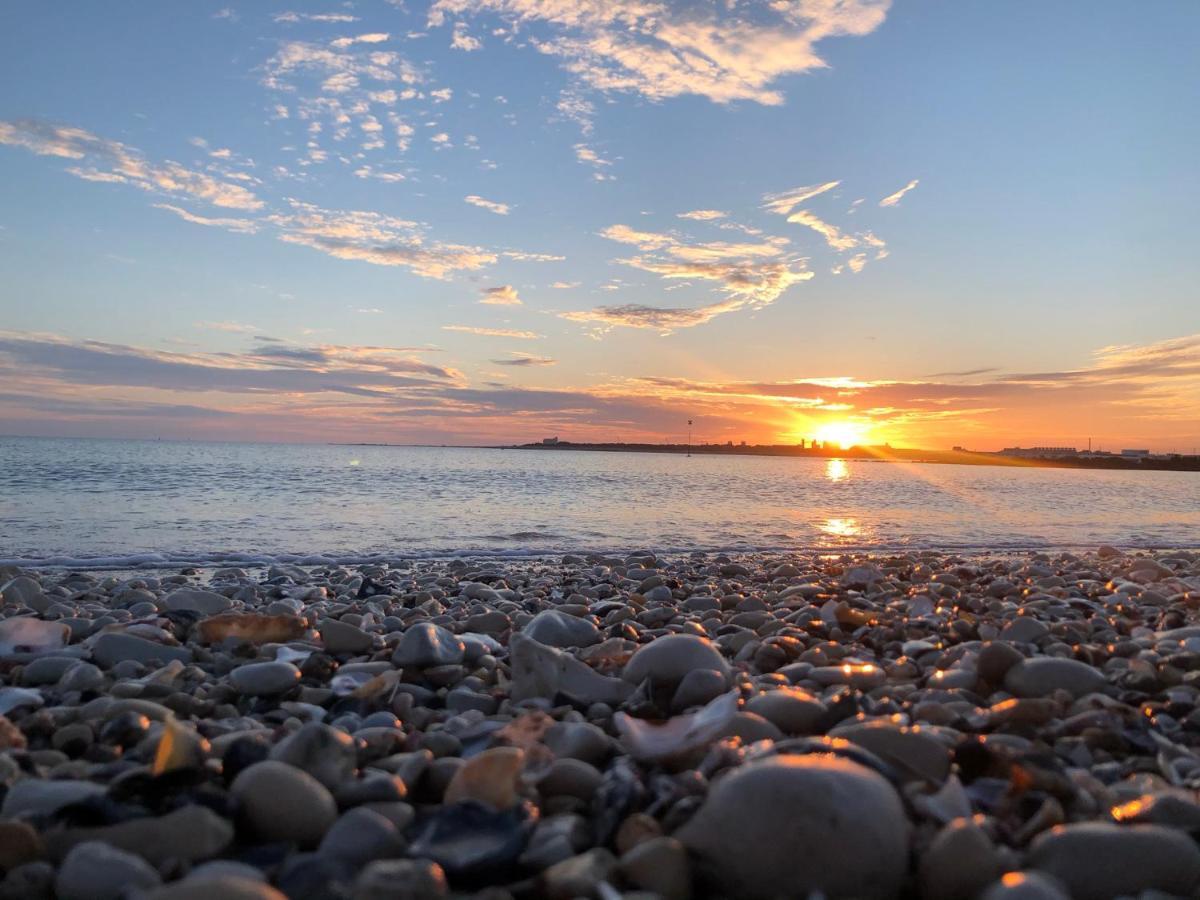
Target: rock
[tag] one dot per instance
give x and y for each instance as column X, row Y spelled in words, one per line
column 264, row 678
column 1046, row 674
column 81, row 676
column 911, row 750
column 112, row 648
column 250, row 628
column 791, row 710
column 578, row 740
column 557, row 629
column 1098, row 861
column 96, row 871
column 1024, row 630
column 813, row 823
column 1025, row 886
column 187, row 834
column 361, row 836
column 541, row 671
column 325, row 753
column 400, row 879
column 556, row 838
column 698, row 687
column 426, row 645
column 659, row 866
column 226, row 887
column 995, row 659
column 489, row 778
column 340, row 638
column 207, row 603
column 38, row 797
column 282, row 803
column 30, row 637
column 579, row 876
column 960, row 862
column 471, row 840
column 19, row 844
column 668, row 659
column 23, row 591
column 570, row 777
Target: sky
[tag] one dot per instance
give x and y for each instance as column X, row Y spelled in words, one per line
column 935, row 223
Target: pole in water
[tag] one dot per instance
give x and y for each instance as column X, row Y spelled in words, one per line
column 689, row 449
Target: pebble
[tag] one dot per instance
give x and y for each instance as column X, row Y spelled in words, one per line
column 1096, row 861
column 264, row 678
column 96, row 871
column 425, row 645
column 598, row 725
column 801, row 821
column 1044, row 675
column 282, row 803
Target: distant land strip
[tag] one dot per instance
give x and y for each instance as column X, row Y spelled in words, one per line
column 1173, row 463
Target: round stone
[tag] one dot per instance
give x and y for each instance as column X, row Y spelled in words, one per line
column 814, row 823
column 668, row 659
column 791, row 710
column 96, row 871
column 281, row 803
column 1046, row 674
column 558, row 629
column 1097, row 861
column 264, row 678
column 325, row 753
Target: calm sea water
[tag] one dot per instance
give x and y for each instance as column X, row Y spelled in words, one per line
column 125, row 503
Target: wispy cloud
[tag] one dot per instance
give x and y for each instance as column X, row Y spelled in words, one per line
column 523, row 360
column 725, row 52
column 494, row 332
column 785, row 201
column 111, row 161
column 893, row 199
column 500, row 209
column 503, row 295
column 702, row 215
column 327, row 18
column 243, row 226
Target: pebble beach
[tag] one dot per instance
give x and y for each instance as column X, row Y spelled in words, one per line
column 911, row 725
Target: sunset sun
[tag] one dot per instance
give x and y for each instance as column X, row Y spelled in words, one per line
column 843, row 434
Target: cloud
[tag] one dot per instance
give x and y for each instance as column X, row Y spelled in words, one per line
column 523, row 360
column 113, row 162
column 460, row 40
column 294, row 17
column 724, row 52
column 377, row 37
column 785, row 201
column 504, row 295
column 500, row 209
column 377, row 239
column 272, row 369
column 702, row 215
column 242, row 226
column 893, row 199
column 230, row 327
column 564, row 285
column 1133, row 395
column 749, row 274
column 494, row 332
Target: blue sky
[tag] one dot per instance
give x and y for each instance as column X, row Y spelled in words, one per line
column 599, row 218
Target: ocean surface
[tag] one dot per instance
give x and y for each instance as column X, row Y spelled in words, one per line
column 123, row 504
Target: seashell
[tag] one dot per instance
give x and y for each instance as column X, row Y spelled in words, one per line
column 31, row 637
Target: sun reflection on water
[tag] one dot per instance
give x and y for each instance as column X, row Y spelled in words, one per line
column 837, row 470
column 842, row 528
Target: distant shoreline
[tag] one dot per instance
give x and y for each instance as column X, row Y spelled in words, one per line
column 885, row 454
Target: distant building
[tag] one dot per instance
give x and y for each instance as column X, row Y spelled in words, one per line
column 1039, row 452
column 550, row 442
column 1135, row 454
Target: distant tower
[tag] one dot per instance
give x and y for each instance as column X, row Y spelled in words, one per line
column 689, row 448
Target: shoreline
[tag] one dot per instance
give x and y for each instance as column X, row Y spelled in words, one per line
column 588, row 725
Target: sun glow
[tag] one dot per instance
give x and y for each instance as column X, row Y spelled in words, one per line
column 844, row 434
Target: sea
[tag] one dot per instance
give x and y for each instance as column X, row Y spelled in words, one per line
column 122, row 504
